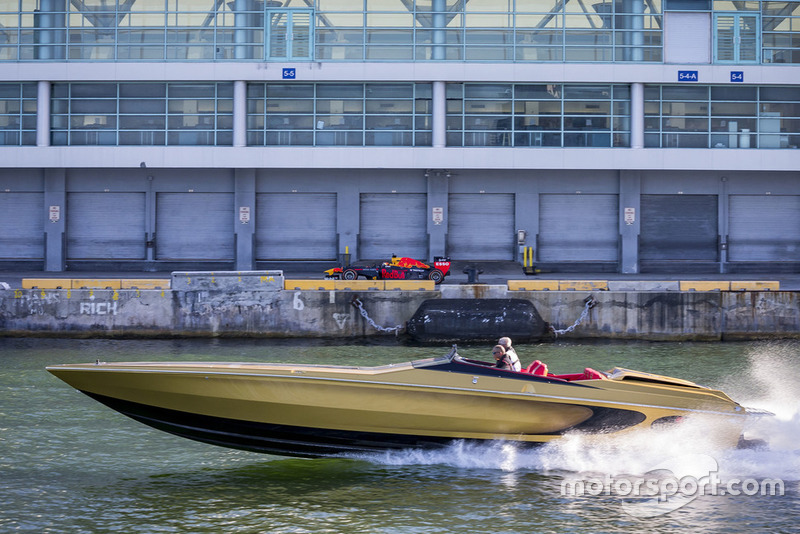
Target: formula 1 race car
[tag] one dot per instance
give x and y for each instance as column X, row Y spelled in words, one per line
column 396, row 269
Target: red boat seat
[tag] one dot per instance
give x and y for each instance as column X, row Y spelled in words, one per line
column 591, row 374
column 537, row 368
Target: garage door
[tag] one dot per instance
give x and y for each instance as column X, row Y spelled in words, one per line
column 764, row 228
column 22, row 226
column 678, row 227
column 296, row 226
column 578, row 228
column 393, row 223
column 194, row 226
column 106, row 226
column 480, row 226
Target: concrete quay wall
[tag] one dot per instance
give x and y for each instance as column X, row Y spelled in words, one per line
column 257, row 305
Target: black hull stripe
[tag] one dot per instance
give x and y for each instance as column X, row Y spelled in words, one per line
column 268, row 438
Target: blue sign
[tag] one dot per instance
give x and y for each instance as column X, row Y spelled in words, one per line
column 688, row 76
column 737, row 76
column 289, row 74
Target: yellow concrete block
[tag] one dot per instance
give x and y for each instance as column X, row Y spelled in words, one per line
column 410, row 285
column 144, row 283
column 583, row 285
column 705, row 285
column 308, row 285
column 358, row 285
column 533, row 285
column 95, row 283
column 46, row 283
column 756, row 285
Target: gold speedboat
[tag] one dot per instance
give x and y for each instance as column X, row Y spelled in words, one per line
column 323, row 410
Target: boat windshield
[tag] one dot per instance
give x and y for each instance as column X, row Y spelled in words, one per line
column 449, row 357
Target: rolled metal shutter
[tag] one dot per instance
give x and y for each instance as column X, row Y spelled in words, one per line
column 679, row 227
column 296, row 226
column 22, row 226
column 578, row 228
column 106, row 226
column 194, row 226
column 764, row 228
column 481, row 226
column 393, row 223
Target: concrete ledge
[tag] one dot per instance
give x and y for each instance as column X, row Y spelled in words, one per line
column 46, row 283
column 755, row 286
column 533, row 285
column 410, row 285
column 228, row 280
column 144, row 283
column 643, row 285
column 358, row 285
column 309, row 285
column 583, row 285
column 705, row 285
column 95, row 283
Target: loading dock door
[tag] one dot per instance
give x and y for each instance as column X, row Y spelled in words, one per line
column 22, row 226
column 764, row 228
column 296, row 226
column 194, row 226
column 678, row 228
column 106, row 226
column 578, row 228
column 393, row 223
column 481, row 226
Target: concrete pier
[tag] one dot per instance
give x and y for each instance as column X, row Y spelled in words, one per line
column 262, row 304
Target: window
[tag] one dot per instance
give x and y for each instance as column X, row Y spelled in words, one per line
column 737, row 38
column 289, row 34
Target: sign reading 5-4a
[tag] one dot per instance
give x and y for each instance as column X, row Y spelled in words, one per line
column 688, row 76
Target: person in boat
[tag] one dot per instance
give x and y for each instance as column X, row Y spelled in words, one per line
column 505, row 342
column 501, row 357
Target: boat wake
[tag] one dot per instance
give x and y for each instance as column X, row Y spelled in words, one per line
column 763, row 384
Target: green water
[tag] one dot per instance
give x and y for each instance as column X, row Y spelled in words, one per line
column 68, row 464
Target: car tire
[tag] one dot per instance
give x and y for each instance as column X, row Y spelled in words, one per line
column 436, row 275
column 349, row 274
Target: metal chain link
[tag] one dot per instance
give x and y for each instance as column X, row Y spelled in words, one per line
column 589, row 304
column 357, row 303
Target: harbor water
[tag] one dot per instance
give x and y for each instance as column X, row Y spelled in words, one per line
column 68, row 464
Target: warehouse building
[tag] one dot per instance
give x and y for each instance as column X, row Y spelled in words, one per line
column 631, row 136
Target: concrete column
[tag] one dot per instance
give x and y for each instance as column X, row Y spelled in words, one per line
column 637, row 115
column 439, row 119
column 630, row 192
column 43, row 114
column 51, row 33
column 348, row 217
column 55, row 201
column 439, row 23
column 239, row 113
column 245, row 213
column 438, row 190
column 241, row 30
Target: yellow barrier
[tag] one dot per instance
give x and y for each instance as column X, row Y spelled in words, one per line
column 762, row 285
column 144, row 283
column 705, row 285
column 95, row 283
column 46, row 283
column 358, row 285
column 410, row 285
column 533, row 285
column 309, row 285
column 583, row 285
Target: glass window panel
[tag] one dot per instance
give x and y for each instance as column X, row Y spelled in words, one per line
column 671, row 92
column 582, row 92
column 340, row 91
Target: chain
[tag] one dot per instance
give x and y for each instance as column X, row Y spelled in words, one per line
column 357, row 303
column 589, row 304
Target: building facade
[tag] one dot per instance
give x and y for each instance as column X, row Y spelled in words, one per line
column 626, row 136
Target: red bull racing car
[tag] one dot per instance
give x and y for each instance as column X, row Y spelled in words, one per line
column 397, row 269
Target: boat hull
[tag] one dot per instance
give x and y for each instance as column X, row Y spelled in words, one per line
column 306, row 410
